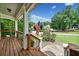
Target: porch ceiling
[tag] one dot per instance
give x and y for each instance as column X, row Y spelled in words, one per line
column 14, row 7
column 14, row 10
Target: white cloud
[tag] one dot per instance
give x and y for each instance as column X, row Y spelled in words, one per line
column 36, row 18
column 69, row 4
column 53, row 7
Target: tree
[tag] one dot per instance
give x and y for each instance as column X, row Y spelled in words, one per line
column 77, row 14
column 7, row 24
column 30, row 26
column 20, row 25
column 65, row 20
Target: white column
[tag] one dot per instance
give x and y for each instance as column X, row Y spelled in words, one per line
column 16, row 28
column 26, row 25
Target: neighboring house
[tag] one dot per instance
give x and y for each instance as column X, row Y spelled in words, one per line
column 76, row 26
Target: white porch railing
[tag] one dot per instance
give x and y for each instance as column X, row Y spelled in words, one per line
column 37, row 41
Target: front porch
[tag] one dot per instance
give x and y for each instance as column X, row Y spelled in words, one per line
column 14, row 45
column 11, row 47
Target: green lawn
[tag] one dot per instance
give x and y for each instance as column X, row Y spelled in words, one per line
column 68, row 39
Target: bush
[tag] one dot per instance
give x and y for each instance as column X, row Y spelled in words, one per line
column 48, row 36
column 32, row 43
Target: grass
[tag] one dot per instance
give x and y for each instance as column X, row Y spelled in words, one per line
column 68, row 39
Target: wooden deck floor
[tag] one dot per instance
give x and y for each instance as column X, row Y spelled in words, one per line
column 10, row 47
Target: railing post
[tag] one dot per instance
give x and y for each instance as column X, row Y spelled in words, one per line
column 40, row 44
column 66, row 52
column 19, row 37
column 28, row 41
column 16, row 28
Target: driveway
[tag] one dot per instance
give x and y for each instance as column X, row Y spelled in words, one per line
column 53, row 49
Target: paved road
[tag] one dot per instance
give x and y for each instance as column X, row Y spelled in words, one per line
column 66, row 34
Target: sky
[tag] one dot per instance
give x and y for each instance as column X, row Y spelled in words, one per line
column 45, row 11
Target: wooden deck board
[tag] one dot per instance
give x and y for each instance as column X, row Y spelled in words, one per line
column 18, row 48
column 36, row 52
column 4, row 47
column 24, row 53
column 29, row 54
column 7, row 48
column 33, row 53
column 15, row 50
column 10, row 47
column 1, row 46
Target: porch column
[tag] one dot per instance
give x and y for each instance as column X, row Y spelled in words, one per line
column 26, row 27
column 16, row 28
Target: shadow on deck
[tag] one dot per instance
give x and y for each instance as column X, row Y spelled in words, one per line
column 11, row 47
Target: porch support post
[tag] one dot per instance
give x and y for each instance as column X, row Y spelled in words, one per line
column 26, row 27
column 66, row 52
column 16, row 28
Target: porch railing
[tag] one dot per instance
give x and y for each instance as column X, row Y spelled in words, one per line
column 34, row 41
column 18, row 38
column 71, row 50
column 6, row 32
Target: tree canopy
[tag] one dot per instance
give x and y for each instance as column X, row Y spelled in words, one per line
column 66, row 19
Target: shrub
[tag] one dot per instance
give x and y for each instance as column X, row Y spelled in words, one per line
column 48, row 36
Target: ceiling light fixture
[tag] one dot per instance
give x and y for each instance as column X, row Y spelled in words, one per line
column 9, row 10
